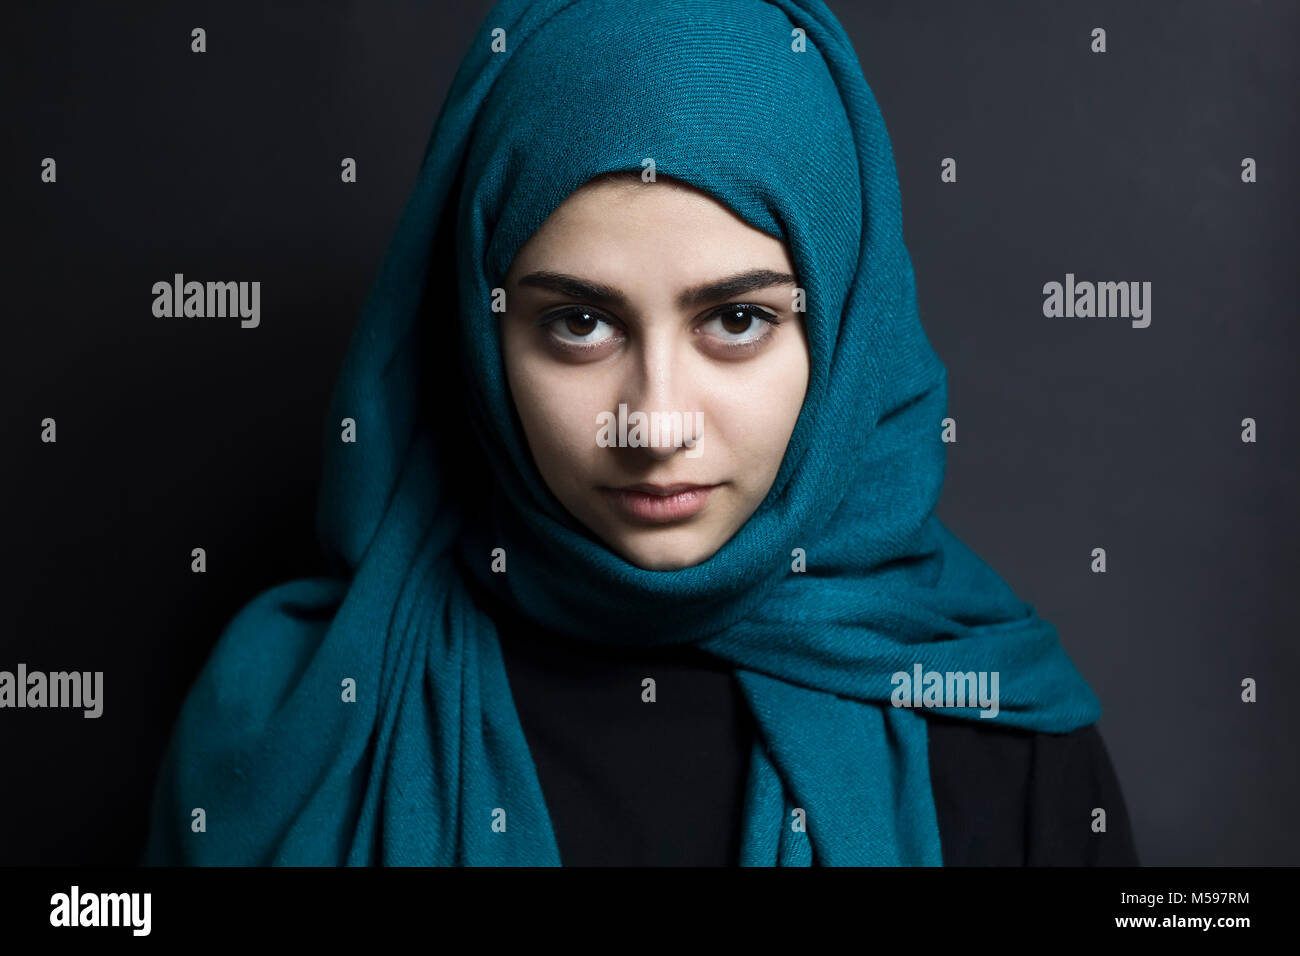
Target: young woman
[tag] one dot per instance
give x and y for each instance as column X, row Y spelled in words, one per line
column 629, row 492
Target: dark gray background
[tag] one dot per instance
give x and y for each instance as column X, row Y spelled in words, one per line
column 1073, row 433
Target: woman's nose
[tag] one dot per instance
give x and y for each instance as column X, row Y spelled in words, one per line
column 659, row 386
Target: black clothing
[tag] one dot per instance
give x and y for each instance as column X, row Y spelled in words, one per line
column 628, row 783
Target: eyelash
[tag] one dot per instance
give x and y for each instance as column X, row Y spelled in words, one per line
column 755, row 311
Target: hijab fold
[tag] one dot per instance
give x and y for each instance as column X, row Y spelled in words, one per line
column 428, row 764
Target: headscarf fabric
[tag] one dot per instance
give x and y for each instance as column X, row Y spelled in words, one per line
column 762, row 104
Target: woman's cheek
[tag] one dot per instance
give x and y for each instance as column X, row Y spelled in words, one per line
column 569, row 421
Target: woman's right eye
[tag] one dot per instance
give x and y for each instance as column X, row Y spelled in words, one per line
column 579, row 329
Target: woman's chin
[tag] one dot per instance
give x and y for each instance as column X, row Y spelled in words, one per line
column 664, row 549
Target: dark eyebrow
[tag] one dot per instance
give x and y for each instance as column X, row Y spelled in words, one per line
column 575, row 288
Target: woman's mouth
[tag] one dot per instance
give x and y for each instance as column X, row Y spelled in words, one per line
column 660, row 503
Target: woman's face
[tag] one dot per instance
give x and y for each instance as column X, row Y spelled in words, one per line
column 637, row 298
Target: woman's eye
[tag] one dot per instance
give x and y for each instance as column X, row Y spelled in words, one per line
column 579, row 328
column 740, row 326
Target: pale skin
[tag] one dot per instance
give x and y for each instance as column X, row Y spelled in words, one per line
column 670, row 302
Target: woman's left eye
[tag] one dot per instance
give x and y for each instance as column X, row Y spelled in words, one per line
column 738, row 326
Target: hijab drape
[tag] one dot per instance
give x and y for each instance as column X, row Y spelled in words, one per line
column 763, row 105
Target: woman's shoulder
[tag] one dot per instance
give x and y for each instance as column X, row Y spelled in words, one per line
column 1011, row 797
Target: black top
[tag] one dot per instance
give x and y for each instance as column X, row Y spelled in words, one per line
column 632, row 785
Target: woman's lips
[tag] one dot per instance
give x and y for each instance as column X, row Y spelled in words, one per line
column 660, row 503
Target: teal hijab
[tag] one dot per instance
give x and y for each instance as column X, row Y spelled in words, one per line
column 762, row 104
